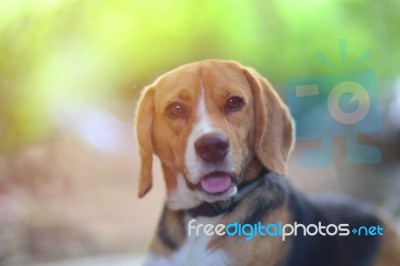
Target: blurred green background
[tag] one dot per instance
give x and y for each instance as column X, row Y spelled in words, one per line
column 71, row 72
column 57, row 53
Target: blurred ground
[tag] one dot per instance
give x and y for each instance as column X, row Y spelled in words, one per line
column 122, row 260
column 66, row 197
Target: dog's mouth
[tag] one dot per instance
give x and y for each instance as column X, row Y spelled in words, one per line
column 215, row 183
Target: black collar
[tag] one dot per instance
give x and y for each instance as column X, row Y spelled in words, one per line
column 216, row 208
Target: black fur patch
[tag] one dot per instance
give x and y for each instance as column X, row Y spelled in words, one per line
column 269, row 196
column 336, row 250
column 164, row 232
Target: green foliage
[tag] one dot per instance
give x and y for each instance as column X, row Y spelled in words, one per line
column 54, row 54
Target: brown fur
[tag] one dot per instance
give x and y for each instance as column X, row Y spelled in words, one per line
column 269, row 140
column 261, row 250
column 389, row 251
column 173, row 222
column 261, row 134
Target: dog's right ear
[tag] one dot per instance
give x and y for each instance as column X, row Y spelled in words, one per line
column 144, row 125
column 274, row 129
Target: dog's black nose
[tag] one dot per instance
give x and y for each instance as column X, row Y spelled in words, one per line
column 213, row 147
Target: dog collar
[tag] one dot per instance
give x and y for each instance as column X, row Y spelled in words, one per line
column 216, row 208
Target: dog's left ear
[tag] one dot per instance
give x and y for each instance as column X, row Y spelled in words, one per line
column 144, row 125
column 274, row 130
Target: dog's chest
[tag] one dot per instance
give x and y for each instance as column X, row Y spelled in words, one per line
column 194, row 250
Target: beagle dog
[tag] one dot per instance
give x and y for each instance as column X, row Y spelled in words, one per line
column 223, row 137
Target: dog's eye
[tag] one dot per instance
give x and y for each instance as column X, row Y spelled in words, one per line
column 176, row 110
column 233, row 104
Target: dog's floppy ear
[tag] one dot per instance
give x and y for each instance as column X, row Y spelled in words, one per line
column 274, row 131
column 144, row 124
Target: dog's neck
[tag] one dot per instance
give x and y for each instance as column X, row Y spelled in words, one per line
column 216, row 208
column 172, row 228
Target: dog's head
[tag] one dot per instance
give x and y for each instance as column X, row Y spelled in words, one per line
column 213, row 124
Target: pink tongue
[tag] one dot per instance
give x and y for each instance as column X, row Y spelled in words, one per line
column 215, row 184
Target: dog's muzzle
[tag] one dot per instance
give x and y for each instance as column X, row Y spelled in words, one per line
column 212, row 148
